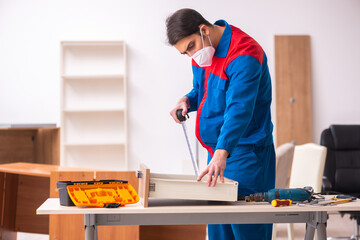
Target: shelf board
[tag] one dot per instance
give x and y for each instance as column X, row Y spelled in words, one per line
column 93, row 110
column 92, row 43
column 92, row 77
column 92, row 144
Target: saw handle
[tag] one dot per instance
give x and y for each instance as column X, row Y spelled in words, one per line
column 180, row 116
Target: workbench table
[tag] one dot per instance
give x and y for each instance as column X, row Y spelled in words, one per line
column 177, row 212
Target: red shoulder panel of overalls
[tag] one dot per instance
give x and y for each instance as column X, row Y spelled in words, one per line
column 240, row 44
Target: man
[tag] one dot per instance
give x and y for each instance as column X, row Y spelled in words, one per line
column 232, row 96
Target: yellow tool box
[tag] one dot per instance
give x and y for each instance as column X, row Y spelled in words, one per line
column 103, row 193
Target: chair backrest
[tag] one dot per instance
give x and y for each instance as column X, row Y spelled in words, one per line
column 284, row 158
column 342, row 167
column 308, row 166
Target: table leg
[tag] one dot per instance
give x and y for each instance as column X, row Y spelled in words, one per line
column 317, row 221
column 90, row 227
column 310, row 232
column 321, row 231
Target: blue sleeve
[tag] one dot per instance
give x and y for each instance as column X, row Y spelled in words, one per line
column 244, row 74
column 193, row 95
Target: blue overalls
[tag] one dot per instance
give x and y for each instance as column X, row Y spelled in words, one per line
column 232, row 98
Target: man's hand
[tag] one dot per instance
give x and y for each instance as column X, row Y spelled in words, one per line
column 216, row 166
column 183, row 104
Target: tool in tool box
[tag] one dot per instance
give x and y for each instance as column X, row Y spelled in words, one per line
column 103, row 193
column 281, row 202
column 182, row 119
column 294, row 194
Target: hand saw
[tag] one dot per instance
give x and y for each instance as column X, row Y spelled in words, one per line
column 182, row 119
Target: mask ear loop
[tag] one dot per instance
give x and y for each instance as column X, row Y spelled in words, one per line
column 202, row 39
column 210, row 40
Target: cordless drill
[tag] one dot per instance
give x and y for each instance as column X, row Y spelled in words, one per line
column 294, row 194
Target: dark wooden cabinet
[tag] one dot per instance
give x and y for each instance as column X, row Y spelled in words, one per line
column 32, row 145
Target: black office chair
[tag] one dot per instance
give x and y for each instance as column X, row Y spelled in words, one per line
column 342, row 166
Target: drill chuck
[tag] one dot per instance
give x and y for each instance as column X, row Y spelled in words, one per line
column 256, row 197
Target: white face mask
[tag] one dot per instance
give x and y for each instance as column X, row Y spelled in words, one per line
column 204, row 56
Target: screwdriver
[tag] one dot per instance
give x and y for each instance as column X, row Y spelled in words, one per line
column 281, row 202
column 182, row 119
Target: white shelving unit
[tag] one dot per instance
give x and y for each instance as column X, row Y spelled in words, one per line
column 93, row 105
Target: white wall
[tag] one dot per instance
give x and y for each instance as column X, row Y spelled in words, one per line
column 30, row 33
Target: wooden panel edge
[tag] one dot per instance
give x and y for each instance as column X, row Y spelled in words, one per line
column 144, row 180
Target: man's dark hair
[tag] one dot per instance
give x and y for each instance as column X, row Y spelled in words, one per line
column 183, row 23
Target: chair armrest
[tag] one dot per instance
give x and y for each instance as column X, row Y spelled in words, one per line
column 326, row 185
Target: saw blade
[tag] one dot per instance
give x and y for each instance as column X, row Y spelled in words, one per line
column 196, row 169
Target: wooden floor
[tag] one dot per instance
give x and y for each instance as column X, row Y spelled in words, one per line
column 337, row 227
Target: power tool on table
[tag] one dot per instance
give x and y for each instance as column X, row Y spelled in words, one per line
column 293, row 194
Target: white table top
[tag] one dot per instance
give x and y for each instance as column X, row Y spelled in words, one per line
column 52, row 206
